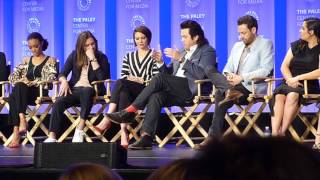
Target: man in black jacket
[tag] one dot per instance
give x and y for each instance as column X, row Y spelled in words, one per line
column 174, row 85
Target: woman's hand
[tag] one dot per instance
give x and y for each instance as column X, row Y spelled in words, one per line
column 135, row 79
column 24, row 80
column 90, row 54
column 64, row 88
column 32, row 83
column 293, row 82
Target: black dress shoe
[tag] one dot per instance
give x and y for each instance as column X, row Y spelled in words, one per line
column 122, row 116
column 204, row 143
column 231, row 95
column 144, row 143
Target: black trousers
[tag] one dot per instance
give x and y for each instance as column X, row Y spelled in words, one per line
column 124, row 92
column 19, row 99
column 163, row 90
column 220, row 111
column 81, row 96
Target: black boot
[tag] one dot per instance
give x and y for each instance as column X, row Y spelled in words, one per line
column 122, row 116
column 144, row 143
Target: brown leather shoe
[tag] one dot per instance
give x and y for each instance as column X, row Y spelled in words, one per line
column 231, row 95
column 204, row 143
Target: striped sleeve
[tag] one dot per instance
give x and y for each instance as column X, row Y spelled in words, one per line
column 152, row 69
column 125, row 71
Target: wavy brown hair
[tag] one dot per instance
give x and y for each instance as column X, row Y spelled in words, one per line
column 82, row 58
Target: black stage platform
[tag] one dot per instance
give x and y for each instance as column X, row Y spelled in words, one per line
column 18, row 163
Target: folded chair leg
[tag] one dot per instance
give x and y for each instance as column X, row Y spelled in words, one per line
column 310, row 126
column 69, row 130
column 3, row 137
column 178, row 126
column 8, row 141
column 252, row 121
column 38, row 123
column 195, row 124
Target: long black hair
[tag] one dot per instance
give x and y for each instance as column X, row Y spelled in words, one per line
column 312, row 23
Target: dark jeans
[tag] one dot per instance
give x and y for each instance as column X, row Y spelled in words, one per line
column 220, row 111
column 81, row 96
column 163, row 90
column 19, row 99
column 125, row 92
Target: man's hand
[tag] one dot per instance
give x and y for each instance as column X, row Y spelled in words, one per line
column 234, row 79
column 157, row 56
column 64, row 88
column 173, row 54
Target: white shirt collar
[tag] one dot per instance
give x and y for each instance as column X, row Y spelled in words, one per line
column 191, row 51
column 193, row 48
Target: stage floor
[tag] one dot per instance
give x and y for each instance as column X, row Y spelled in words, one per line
column 15, row 163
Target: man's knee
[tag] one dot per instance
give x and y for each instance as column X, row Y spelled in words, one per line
column 156, row 98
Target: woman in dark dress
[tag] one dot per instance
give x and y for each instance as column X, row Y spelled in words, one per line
column 25, row 78
column 301, row 62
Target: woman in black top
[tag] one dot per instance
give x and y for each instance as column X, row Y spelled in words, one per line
column 138, row 67
column 86, row 64
column 25, row 78
column 301, row 62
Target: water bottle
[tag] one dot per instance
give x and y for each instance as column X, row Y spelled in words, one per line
column 267, row 131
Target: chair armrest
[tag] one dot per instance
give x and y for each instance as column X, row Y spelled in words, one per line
column 202, row 81
column 274, row 79
column 305, row 85
column 257, row 80
column 199, row 83
column 53, row 82
column 98, row 82
column 107, row 83
column 46, row 82
column 4, row 82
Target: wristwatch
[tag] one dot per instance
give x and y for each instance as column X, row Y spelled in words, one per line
column 93, row 60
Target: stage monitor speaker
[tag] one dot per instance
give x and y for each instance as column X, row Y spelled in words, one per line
column 61, row 155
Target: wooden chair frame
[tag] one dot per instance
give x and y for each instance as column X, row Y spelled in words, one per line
column 244, row 110
column 33, row 113
column 75, row 119
column 309, row 123
column 189, row 115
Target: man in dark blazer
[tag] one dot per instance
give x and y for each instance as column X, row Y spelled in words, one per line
column 174, row 85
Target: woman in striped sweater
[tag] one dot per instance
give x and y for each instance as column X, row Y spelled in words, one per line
column 138, row 67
